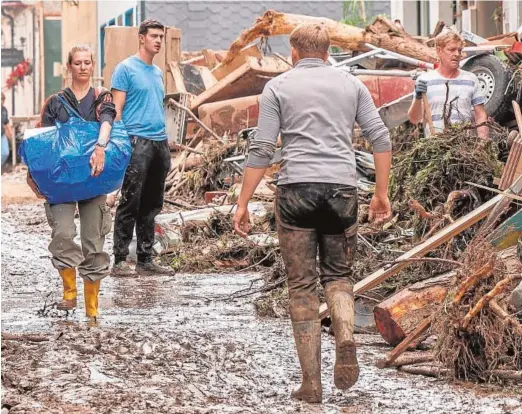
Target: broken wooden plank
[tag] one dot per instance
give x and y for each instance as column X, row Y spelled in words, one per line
column 398, row 315
column 420, row 250
column 502, row 206
column 230, row 116
column 249, row 79
column 405, row 344
column 221, row 70
column 172, row 54
column 382, row 33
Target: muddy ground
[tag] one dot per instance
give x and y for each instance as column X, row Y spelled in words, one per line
column 173, row 345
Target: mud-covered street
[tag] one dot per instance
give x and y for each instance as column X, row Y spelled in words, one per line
column 173, row 345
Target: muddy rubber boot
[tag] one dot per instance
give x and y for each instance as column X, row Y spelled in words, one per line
column 91, row 291
column 307, row 334
column 69, row 289
column 339, row 297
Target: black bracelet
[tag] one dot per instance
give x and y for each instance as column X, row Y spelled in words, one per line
column 98, row 144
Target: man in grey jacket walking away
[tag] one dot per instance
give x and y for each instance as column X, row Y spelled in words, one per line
column 314, row 107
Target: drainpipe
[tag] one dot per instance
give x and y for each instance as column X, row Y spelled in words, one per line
column 11, row 18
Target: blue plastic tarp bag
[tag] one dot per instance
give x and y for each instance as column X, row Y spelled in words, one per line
column 58, row 159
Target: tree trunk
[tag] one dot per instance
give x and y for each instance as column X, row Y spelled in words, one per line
column 381, row 33
column 398, row 315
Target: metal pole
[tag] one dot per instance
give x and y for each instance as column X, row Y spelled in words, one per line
column 358, row 58
column 395, row 73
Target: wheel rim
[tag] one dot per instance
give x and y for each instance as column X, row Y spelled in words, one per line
column 486, row 82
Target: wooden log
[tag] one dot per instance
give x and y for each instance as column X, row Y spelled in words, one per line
column 400, row 314
column 405, row 344
column 426, row 370
column 420, row 250
column 412, row 358
column 382, row 33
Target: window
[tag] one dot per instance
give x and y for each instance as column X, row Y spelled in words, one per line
column 129, row 17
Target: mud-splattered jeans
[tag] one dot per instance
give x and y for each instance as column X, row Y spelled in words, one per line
column 95, row 223
column 311, row 215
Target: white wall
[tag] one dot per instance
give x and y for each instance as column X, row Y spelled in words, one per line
column 512, row 15
column 26, row 89
column 109, row 9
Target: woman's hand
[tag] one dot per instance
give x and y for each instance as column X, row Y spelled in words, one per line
column 97, row 161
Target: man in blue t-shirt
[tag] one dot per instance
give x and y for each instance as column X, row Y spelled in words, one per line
column 138, row 92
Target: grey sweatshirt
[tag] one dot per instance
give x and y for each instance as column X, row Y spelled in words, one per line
column 315, row 107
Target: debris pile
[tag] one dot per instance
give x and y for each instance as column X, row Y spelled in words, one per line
column 479, row 337
column 442, row 189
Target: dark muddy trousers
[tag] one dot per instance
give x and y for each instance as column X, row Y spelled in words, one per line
column 309, row 216
column 141, row 198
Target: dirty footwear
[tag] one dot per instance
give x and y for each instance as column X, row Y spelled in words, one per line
column 339, row 297
column 69, row 289
column 122, row 269
column 151, row 268
column 91, row 291
column 307, row 334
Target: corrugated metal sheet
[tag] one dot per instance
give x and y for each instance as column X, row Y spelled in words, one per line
column 216, row 24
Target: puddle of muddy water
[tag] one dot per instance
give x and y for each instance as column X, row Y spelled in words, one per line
column 166, row 345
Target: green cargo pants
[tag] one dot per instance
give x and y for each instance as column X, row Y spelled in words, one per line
column 95, row 222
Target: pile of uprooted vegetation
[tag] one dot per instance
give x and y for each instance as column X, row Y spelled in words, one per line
column 478, row 337
column 431, row 172
column 429, row 191
column 212, row 246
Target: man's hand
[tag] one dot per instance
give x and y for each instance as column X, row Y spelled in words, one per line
column 421, row 87
column 33, row 186
column 241, row 221
column 380, row 210
column 97, row 161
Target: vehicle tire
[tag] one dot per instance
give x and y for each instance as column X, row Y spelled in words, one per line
column 494, row 77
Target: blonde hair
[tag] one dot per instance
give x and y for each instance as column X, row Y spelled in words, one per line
column 79, row 48
column 442, row 39
column 310, row 39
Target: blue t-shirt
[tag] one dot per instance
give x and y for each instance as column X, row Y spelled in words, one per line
column 143, row 113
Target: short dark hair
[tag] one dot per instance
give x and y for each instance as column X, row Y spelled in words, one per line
column 149, row 24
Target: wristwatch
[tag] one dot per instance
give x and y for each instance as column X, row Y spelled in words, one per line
column 101, row 144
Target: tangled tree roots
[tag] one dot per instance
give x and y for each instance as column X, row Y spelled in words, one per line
column 476, row 335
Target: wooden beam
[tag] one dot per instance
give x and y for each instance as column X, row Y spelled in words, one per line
column 420, row 250
column 404, row 345
column 220, row 71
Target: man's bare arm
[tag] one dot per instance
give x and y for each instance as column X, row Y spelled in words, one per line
column 481, row 117
column 415, row 113
column 118, row 97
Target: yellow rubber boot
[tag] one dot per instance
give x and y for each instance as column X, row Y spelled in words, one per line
column 69, row 289
column 91, row 291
